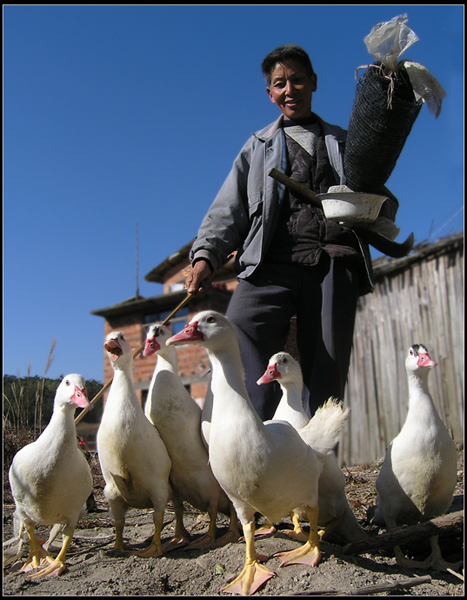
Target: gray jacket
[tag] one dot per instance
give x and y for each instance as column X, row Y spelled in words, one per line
column 244, row 214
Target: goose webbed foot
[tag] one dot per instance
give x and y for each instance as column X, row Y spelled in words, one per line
column 54, row 569
column 56, row 566
column 154, row 551
column 253, row 576
column 178, row 541
column 35, row 560
column 231, row 537
column 298, row 536
column 267, row 529
column 308, row 554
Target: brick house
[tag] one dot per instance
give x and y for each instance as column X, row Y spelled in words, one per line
column 133, row 316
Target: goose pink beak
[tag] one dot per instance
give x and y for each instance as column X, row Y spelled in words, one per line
column 270, row 374
column 190, row 333
column 80, row 397
column 150, row 346
column 424, row 360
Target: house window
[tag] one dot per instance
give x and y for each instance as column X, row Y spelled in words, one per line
column 176, row 287
column 178, row 321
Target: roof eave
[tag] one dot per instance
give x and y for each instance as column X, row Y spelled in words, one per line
column 140, row 304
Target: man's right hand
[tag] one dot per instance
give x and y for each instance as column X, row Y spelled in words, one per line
column 198, row 280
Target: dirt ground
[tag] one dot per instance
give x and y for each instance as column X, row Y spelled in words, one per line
column 94, row 570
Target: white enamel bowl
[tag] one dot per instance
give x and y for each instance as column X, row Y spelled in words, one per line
column 351, row 207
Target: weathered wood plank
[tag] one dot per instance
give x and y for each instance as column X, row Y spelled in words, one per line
column 450, row 524
column 417, row 299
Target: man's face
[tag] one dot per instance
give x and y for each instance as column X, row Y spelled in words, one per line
column 291, row 89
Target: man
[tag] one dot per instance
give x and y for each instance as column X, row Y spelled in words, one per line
column 291, row 260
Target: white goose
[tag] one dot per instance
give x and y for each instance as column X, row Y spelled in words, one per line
column 178, row 419
column 253, row 460
column 334, row 510
column 133, row 458
column 50, row 479
column 419, row 472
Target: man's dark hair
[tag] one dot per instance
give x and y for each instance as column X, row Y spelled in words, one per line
column 283, row 54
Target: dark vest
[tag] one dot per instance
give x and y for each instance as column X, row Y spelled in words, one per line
column 303, row 232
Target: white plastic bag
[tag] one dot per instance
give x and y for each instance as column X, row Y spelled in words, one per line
column 425, row 86
column 387, row 41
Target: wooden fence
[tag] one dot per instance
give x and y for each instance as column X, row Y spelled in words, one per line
column 417, row 299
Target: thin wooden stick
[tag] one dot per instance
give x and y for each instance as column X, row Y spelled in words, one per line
column 136, row 353
column 383, row 586
column 390, row 586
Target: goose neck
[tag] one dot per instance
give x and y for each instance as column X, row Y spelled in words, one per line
column 61, row 427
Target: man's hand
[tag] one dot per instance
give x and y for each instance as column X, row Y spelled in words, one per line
column 198, row 280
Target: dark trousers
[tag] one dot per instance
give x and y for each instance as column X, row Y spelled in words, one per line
column 324, row 298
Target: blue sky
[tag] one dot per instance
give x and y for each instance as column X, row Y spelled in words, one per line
column 123, row 115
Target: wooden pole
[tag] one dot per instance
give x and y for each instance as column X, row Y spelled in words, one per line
column 136, row 353
column 450, row 524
